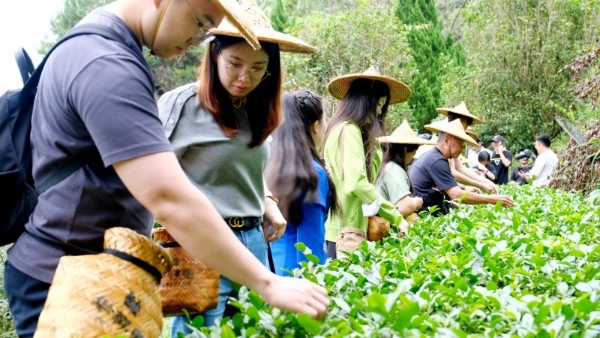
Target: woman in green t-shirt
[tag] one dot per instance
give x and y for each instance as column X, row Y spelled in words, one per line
column 352, row 153
column 393, row 183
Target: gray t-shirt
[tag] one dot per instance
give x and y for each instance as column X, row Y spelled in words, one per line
column 392, row 183
column 96, row 96
column 228, row 172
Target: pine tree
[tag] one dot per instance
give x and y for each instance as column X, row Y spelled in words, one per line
column 429, row 47
column 278, row 18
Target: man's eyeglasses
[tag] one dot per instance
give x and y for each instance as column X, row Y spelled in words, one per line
column 236, row 70
column 202, row 33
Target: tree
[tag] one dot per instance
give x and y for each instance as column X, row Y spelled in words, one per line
column 350, row 41
column 428, row 47
column 515, row 50
column 278, row 18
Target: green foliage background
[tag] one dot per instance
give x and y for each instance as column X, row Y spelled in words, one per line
column 503, row 58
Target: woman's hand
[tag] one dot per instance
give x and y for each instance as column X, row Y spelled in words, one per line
column 273, row 222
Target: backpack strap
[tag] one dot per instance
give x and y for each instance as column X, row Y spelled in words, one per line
column 25, row 65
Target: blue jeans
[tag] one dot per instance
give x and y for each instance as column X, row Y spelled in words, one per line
column 26, row 297
column 254, row 240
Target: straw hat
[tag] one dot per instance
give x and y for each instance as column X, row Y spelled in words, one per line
column 426, row 147
column 399, row 92
column 461, row 109
column 453, row 128
column 235, row 14
column 264, row 31
column 404, row 135
column 470, row 132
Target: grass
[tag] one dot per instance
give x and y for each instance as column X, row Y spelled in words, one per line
column 7, row 329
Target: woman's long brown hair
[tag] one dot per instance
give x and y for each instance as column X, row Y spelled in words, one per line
column 359, row 106
column 262, row 105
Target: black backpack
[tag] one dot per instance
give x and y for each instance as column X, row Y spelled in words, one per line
column 18, row 196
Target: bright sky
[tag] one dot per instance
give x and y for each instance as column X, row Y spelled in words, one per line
column 23, row 23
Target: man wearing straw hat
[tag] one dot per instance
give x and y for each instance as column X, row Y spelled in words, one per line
column 460, row 172
column 431, row 176
column 96, row 97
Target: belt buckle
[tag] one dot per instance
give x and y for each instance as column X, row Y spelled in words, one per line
column 236, row 222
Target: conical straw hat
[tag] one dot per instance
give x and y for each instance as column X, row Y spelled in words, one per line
column 426, row 147
column 471, row 133
column 235, row 14
column 453, row 128
column 264, row 31
column 399, row 91
column 461, row 109
column 404, row 135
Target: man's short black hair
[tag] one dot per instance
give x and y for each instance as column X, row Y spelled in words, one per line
column 545, row 139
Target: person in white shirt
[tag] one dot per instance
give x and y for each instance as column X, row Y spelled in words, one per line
column 544, row 166
column 473, row 153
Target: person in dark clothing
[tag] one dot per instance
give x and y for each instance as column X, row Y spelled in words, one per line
column 524, row 167
column 484, row 168
column 431, row 176
column 501, row 160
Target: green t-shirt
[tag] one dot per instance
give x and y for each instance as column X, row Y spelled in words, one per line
column 351, row 183
column 393, row 183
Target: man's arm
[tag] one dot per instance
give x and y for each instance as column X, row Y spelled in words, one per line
column 465, row 176
column 505, row 161
column 456, row 193
column 159, row 184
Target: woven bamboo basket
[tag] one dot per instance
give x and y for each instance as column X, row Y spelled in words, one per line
column 378, row 228
column 190, row 284
column 104, row 295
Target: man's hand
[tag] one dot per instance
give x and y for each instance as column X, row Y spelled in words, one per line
column 505, row 200
column 273, row 222
column 490, row 187
column 297, row 295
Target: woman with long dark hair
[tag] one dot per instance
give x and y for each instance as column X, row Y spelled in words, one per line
column 219, row 129
column 353, row 155
column 296, row 175
column 392, row 182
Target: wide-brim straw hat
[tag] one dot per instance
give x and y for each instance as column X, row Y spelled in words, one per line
column 426, row 147
column 471, row 133
column 261, row 26
column 453, row 128
column 461, row 109
column 399, row 91
column 235, row 15
column 404, row 135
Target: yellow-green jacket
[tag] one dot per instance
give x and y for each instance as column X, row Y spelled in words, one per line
column 351, row 182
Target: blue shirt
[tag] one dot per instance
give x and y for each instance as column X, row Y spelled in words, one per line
column 311, row 231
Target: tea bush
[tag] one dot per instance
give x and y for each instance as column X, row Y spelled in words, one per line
column 528, row 271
